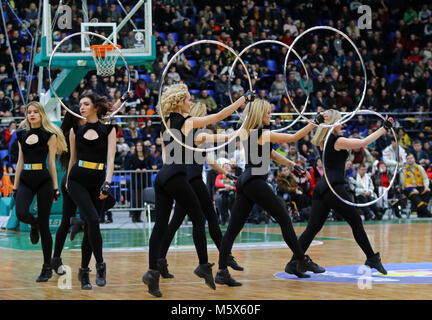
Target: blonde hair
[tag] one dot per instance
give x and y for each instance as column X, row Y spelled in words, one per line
column 47, row 125
column 171, row 97
column 321, row 133
column 199, row 109
column 255, row 111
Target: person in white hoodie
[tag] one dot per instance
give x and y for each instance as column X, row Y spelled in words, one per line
column 390, row 159
column 364, row 191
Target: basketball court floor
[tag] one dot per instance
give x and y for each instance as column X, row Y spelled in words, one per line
column 405, row 247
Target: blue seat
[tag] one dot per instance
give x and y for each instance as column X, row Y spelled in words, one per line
column 393, row 77
column 146, row 77
column 3, row 154
column 162, row 35
column 195, row 92
column 271, row 65
column 210, row 92
column 193, row 63
column 174, row 36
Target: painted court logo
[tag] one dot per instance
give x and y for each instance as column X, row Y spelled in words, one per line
column 398, row 273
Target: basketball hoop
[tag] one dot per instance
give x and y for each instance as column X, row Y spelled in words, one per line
column 105, row 57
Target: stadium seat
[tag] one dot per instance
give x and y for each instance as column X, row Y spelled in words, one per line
column 193, row 63
column 393, row 77
column 210, row 93
column 146, row 77
column 3, row 154
column 195, row 92
column 149, row 201
column 271, row 65
column 162, row 35
column 174, row 36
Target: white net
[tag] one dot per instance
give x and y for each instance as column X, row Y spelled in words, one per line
column 105, row 58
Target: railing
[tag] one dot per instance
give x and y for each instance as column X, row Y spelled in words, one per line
column 127, row 187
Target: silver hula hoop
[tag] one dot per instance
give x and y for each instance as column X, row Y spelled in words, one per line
column 230, row 73
column 350, row 115
column 166, row 69
column 385, row 189
column 51, row 82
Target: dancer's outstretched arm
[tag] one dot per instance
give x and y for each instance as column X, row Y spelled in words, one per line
column 348, row 143
column 200, row 122
column 276, row 137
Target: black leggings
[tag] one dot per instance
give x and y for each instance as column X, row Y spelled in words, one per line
column 257, row 191
column 69, row 211
column 89, row 205
column 177, row 188
column 24, row 198
column 321, row 205
column 207, row 208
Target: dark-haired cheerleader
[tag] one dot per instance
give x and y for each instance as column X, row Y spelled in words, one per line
column 91, row 146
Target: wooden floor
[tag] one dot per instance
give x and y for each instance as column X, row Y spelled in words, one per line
column 398, row 243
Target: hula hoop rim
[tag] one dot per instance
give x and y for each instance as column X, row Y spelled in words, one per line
column 353, row 113
column 51, row 82
column 162, row 80
column 282, row 44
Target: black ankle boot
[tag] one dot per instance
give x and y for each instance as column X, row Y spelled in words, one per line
column 34, row 233
column 77, row 225
column 46, row 273
column 101, row 274
column 291, row 268
column 204, row 271
column 233, row 264
column 308, row 265
column 375, row 262
column 151, row 279
column 83, row 276
column 162, row 267
column 224, row 277
column 56, row 265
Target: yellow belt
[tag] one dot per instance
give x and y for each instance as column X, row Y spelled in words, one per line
column 91, row 165
column 33, row 166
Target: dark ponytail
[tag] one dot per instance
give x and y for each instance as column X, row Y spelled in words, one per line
column 102, row 104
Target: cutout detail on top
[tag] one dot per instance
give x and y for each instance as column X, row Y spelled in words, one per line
column 32, row 139
column 91, row 134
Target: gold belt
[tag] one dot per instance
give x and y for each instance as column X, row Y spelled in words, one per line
column 91, row 165
column 33, row 166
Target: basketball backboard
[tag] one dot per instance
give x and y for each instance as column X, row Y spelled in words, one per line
column 129, row 26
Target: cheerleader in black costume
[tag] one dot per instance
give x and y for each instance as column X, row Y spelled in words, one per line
column 37, row 137
column 253, row 189
column 194, row 176
column 323, row 198
column 69, row 220
column 92, row 151
column 172, row 184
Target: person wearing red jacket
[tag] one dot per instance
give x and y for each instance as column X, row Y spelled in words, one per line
column 225, row 189
column 315, row 173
